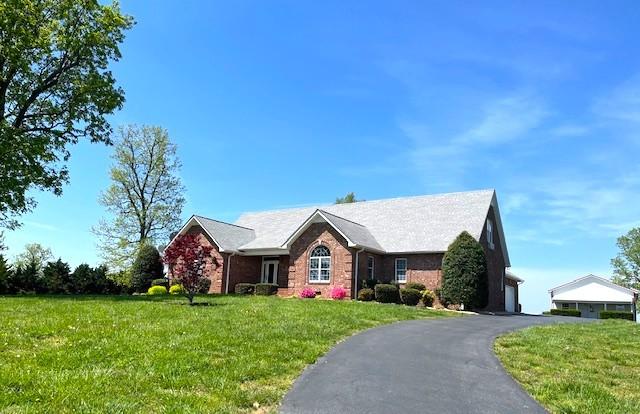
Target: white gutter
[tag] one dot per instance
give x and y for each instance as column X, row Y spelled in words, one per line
column 355, row 294
column 226, row 285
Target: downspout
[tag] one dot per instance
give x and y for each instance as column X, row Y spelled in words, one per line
column 355, row 294
column 226, row 285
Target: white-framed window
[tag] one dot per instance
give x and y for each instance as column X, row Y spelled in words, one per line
column 565, row 306
column 620, row 307
column 370, row 268
column 401, row 270
column 490, row 234
column 320, row 265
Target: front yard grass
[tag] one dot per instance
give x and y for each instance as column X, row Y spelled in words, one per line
column 149, row 354
column 577, row 368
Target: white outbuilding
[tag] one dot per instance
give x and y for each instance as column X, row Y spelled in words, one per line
column 593, row 294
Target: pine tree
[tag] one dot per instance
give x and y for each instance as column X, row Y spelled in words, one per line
column 464, row 273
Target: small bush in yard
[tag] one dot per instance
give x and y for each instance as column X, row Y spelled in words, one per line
column 203, row 285
column 308, row 293
column 176, row 290
column 616, row 315
column 415, row 285
column 428, row 297
column 366, row 295
column 245, row 288
column 566, row 312
column 410, row 297
column 386, row 293
column 338, row 293
column 266, row 289
column 157, row 290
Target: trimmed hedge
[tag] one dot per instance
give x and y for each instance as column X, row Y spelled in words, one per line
column 157, row 290
column 203, row 285
column 415, row 285
column 566, row 312
column 410, row 297
column 245, row 288
column 366, row 295
column 176, row 290
column 616, row 315
column 387, row 293
column 266, row 289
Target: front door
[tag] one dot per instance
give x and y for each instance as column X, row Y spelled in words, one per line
column 270, row 271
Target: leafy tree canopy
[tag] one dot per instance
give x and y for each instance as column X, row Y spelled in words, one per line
column 349, row 198
column 144, row 201
column 464, row 273
column 626, row 264
column 34, row 254
column 187, row 259
column 55, row 88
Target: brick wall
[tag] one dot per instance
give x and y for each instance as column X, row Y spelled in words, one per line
column 341, row 260
column 495, row 265
column 424, row 268
column 214, row 269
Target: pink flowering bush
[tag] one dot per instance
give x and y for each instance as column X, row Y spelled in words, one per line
column 338, row 293
column 308, row 293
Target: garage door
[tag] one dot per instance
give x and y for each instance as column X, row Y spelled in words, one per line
column 510, row 298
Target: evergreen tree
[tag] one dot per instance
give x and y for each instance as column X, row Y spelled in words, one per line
column 146, row 267
column 464, row 273
column 5, row 275
column 57, row 277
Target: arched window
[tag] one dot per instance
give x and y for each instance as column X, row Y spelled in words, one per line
column 320, row 265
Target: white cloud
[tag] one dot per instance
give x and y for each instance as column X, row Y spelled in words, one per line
column 40, row 226
column 570, row 130
column 622, row 103
column 504, row 120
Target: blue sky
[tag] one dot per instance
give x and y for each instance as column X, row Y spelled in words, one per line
column 277, row 104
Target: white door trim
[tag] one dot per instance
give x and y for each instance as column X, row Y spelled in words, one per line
column 265, row 267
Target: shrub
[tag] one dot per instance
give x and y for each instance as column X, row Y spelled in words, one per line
column 415, row 285
column 616, row 315
column 160, row 282
column 366, row 295
column 566, row 312
column 464, row 273
column 157, row 290
column 308, row 293
column 338, row 293
column 203, row 285
column 386, row 293
column 410, row 297
column 176, row 289
column 428, row 297
column 146, row 267
column 244, row 288
column 266, row 289
column 370, row 283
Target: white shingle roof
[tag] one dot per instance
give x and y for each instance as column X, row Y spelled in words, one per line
column 407, row 224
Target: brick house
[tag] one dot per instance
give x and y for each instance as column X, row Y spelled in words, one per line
column 397, row 239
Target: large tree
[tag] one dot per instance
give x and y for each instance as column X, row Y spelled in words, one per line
column 55, row 88
column 145, row 198
column 464, row 273
column 626, row 264
column 35, row 255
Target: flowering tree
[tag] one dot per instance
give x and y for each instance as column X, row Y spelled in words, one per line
column 187, row 258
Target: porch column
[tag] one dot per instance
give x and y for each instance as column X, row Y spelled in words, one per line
column 605, row 306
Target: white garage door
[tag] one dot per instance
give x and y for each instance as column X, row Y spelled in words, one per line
column 510, row 299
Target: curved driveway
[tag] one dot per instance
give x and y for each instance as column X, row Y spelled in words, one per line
column 422, row 366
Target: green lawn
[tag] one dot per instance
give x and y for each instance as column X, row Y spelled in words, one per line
column 149, row 354
column 577, row 368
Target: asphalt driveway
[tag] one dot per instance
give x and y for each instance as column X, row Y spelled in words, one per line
column 422, row 366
